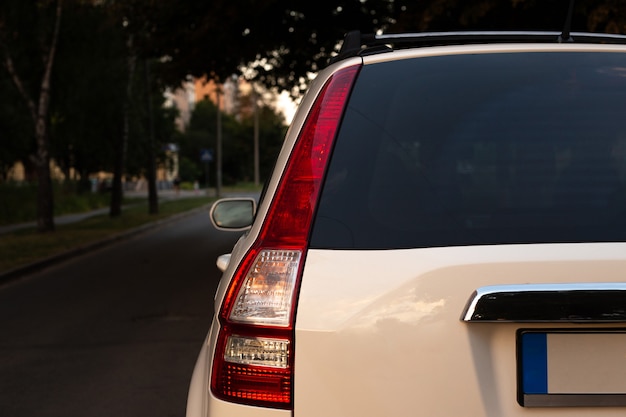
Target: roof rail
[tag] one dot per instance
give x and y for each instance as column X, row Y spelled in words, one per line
column 567, row 27
column 356, row 43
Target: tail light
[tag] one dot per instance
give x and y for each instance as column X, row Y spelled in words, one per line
column 253, row 362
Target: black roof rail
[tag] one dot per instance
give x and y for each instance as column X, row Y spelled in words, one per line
column 356, row 43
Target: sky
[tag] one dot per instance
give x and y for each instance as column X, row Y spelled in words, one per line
column 287, row 106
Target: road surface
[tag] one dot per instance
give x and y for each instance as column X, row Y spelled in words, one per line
column 115, row 332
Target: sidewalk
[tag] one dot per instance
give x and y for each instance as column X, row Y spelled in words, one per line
column 77, row 217
column 58, row 220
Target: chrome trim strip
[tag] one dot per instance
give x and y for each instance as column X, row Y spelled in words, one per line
column 573, row 400
column 493, row 33
column 549, row 303
column 495, row 36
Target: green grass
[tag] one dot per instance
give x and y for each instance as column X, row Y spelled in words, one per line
column 18, row 205
column 27, row 246
column 19, row 202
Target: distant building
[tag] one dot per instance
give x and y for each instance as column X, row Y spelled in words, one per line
column 229, row 92
column 184, row 99
column 194, row 90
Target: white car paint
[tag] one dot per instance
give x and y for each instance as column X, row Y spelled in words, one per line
column 371, row 324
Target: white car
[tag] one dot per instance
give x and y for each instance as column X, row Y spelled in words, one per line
column 444, row 234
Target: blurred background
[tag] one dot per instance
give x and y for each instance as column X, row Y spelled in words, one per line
column 110, row 96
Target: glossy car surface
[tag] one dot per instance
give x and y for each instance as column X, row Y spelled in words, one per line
column 444, row 234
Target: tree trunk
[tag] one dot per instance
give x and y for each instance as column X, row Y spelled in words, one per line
column 39, row 114
column 117, row 193
column 153, row 198
column 117, row 196
column 45, row 199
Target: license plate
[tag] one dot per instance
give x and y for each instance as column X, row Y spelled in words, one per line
column 571, row 368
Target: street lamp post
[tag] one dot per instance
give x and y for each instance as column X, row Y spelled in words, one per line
column 256, row 137
column 218, row 179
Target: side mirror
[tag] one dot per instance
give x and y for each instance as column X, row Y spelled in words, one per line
column 233, row 213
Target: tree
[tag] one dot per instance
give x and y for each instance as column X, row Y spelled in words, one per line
column 278, row 42
column 41, row 40
column 15, row 124
column 238, row 163
column 137, row 20
column 120, row 16
column 549, row 15
column 280, row 39
column 271, row 127
column 200, row 134
column 90, row 78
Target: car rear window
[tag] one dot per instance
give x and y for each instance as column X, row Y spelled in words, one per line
column 479, row 149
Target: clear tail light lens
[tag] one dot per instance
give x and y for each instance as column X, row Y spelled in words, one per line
column 265, row 296
column 257, row 351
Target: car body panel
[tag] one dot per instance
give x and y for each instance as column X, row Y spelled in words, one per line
column 382, row 334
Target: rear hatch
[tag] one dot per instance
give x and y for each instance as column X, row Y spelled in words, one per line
column 381, row 333
column 473, row 204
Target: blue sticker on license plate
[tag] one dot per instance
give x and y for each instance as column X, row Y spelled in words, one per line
column 571, row 368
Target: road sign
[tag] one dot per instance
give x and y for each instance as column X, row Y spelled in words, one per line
column 206, row 155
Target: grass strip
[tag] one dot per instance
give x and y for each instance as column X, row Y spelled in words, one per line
column 27, row 246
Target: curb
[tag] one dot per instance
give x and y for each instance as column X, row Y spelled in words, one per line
column 18, row 272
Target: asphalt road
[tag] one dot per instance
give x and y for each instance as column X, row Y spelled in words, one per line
column 115, row 332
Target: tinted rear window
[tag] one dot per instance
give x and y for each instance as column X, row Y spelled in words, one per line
column 480, row 149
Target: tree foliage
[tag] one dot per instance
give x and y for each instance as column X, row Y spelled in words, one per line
column 238, row 155
column 15, row 125
column 282, row 40
column 548, row 15
column 82, row 98
column 89, row 77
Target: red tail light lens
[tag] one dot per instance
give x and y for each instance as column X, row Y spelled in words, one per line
column 253, row 362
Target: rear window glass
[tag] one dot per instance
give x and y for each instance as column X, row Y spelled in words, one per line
column 479, row 149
